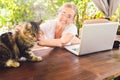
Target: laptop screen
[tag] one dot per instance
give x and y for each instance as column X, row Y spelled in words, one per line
column 95, row 37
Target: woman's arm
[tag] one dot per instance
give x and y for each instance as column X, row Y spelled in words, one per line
column 55, row 42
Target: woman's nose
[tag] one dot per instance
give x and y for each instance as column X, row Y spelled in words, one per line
column 65, row 18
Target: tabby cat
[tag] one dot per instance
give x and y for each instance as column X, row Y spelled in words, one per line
column 13, row 46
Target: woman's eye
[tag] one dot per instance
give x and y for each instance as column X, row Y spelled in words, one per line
column 63, row 13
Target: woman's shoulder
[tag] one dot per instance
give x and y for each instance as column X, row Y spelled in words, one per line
column 48, row 23
column 52, row 21
column 72, row 26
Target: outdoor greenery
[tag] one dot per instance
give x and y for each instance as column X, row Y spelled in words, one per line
column 14, row 11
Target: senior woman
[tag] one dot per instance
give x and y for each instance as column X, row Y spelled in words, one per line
column 60, row 31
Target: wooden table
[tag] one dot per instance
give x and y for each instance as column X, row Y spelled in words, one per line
column 59, row 64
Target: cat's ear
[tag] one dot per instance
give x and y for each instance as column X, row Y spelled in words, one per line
column 10, row 33
column 5, row 34
column 39, row 22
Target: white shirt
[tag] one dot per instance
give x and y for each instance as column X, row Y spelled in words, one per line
column 49, row 29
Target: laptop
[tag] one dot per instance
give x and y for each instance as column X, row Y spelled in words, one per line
column 94, row 38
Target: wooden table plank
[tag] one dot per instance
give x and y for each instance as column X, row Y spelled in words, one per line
column 59, row 64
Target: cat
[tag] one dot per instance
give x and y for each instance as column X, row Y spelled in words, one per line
column 13, row 46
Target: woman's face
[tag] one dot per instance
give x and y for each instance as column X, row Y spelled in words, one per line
column 66, row 16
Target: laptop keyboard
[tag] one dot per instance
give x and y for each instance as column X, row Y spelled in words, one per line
column 76, row 49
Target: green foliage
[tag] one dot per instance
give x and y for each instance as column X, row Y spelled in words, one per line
column 14, row 11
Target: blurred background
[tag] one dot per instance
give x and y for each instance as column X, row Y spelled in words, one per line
column 14, row 11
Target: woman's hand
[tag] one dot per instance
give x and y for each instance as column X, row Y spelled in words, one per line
column 43, row 41
column 41, row 38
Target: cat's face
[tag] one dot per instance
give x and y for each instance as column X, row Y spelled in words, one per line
column 30, row 30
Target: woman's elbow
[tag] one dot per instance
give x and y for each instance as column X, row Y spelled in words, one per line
column 61, row 44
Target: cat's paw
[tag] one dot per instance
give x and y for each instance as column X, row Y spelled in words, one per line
column 35, row 58
column 12, row 63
